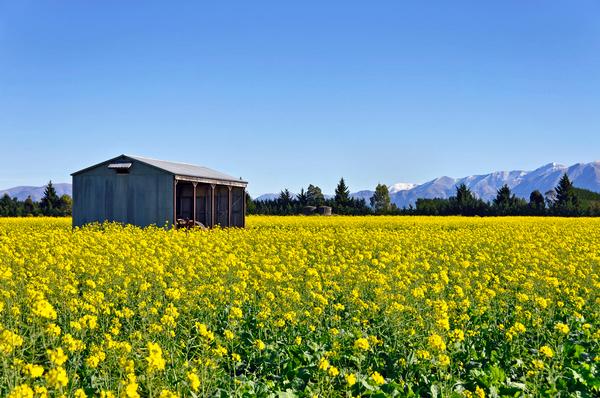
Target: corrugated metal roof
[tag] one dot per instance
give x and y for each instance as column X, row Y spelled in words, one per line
column 176, row 168
column 186, row 169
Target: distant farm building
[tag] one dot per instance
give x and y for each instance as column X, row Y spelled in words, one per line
column 141, row 191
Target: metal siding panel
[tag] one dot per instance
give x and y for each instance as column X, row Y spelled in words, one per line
column 238, row 207
column 121, row 183
column 109, row 199
column 144, row 188
column 130, row 198
column 143, row 197
column 77, row 208
column 88, row 214
column 164, row 189
column 99, row 197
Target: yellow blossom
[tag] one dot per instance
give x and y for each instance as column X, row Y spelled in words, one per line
column 22, row 391
column 259, row 345
column 561, row 327
column 377, row 378
column 57, row 356
column 547, row 351
column 193, row 380
column 34, row 371
column 57, row 378
column 361, row 344
column 350, row 379
column 155, row 359
column 436, row 342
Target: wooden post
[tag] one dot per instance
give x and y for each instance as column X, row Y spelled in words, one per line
column 174, row 203
column 229, row 207
column 194, row 204
column 212, row 205
column 243, row 207
column 206, row 208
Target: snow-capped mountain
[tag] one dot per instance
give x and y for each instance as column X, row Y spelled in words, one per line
column 366, row 195
column 485, row 186
column 400, row 186
column 522, row 183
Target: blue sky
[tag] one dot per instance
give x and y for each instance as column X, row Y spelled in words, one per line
column 290, row 93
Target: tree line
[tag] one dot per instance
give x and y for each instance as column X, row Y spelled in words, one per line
column 50, row 205
column 563, row 200
column 288, row 204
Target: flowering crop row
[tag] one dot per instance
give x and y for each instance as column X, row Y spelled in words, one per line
column 302, row 306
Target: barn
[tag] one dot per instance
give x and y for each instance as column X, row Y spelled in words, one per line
column 142, row 191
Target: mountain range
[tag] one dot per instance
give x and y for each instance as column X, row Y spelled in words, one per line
column 36, row 193
column 484, row 186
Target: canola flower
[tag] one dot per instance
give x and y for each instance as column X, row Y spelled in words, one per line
column 155, row 359
column 22, row 391
column 361, row 344
column 57, row 378
column 430, row 303
column 547, row 351
column 377, row 378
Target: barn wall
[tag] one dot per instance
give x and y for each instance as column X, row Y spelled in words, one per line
column 143, row 197
column 238, row 198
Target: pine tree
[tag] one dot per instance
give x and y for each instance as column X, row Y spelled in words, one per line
column 380, row 201
column 506, row 202
column 464, row 196
column 302, row 198
column 285, row 202
column 465, row 203
column 285, row 197
column 566, row 199
column 50, row 200
column 503, row 198
column 342, row 193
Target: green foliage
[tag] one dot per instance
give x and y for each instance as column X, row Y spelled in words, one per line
column 250, row 205
column 465, row 203
column 537, row 204
column 342, row 193
column 287, row 204
column 12, row 207
column 65, row 205
column 314, row 196
column 285, row 201
column 50, row 202
column 380, row 201
column 566, row 201
column 507, row 203
column 589, row 202
column 302, row 198
column 50, row 205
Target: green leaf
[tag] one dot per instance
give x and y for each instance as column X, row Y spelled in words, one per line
column 434, row 391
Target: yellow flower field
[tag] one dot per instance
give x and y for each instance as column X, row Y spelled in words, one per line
column 302, row 306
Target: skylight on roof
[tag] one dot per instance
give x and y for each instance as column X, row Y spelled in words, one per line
column 119, row 165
